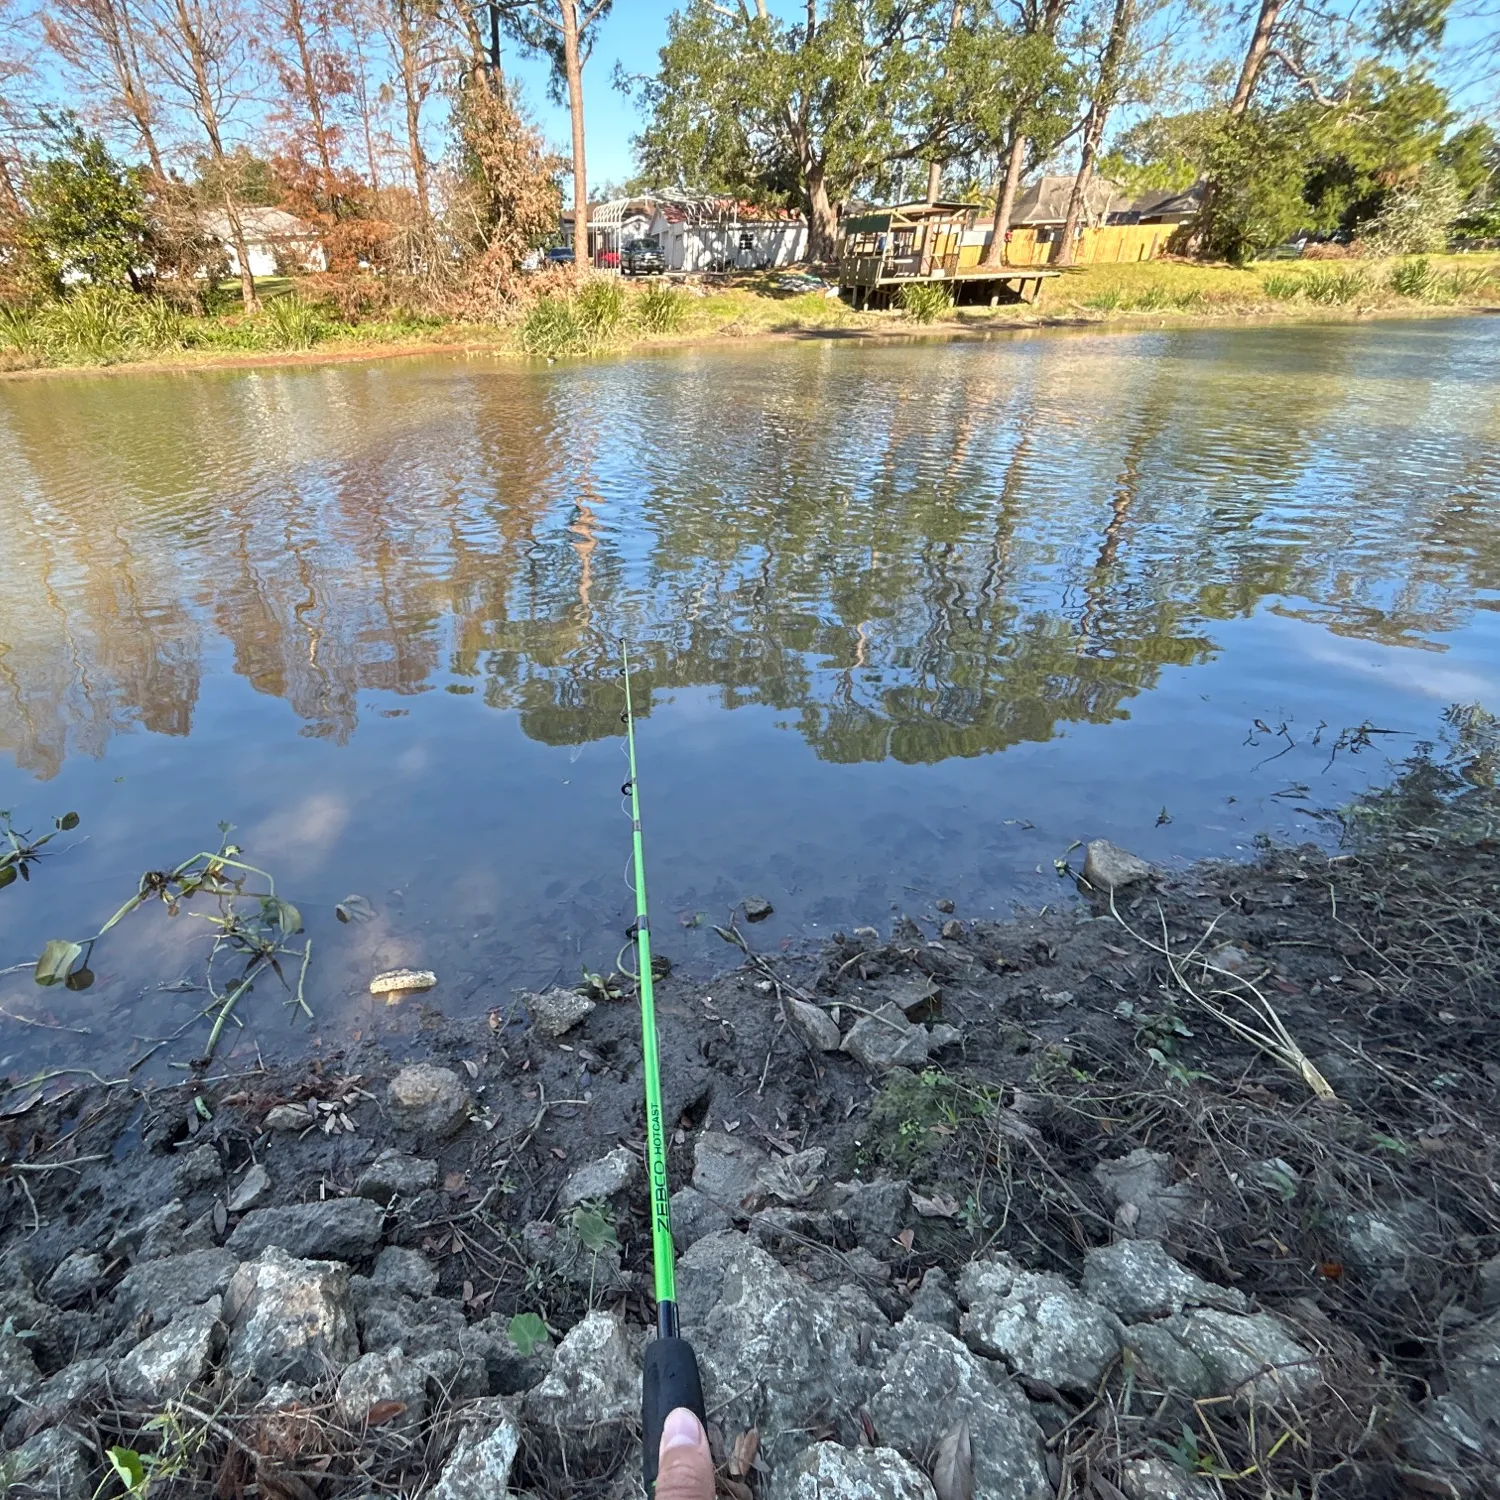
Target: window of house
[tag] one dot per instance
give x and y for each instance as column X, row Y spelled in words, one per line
column 747, row 240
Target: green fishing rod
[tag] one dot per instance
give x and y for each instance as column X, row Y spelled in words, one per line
column 669, row 1371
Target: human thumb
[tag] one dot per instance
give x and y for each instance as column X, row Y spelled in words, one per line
column 684, row 1466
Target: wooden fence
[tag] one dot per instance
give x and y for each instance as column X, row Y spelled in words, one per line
column 1110, row 244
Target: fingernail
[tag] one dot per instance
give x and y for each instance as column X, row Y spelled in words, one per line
column 681, row 1429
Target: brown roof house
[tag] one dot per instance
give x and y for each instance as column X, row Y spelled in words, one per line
column 1043, row 205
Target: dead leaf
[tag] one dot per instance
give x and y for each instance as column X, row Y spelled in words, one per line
column 559, row 1153
column 468, row 1291
column 935, row 1207
column 383, row 1412
column 454, row 1182
column 953, row 1468
column 471, row 1068
column 1105, row 1490
column 906, row 1239
column 746, row 1447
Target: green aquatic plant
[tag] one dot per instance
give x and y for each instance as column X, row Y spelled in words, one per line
column 24, row 850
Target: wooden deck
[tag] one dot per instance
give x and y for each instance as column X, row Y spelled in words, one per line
column 871, row 279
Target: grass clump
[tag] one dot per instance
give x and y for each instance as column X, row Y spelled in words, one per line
column 1280, row 287
column 660, row 310
column 1412, row 278
column 1334, row 286
column 291, row 322
column 574, row 323
column 1107, row 299
column 925, row 301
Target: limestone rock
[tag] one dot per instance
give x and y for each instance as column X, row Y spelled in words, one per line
column 54, row 1464
column 427, row 1099
column 1206, row 1353
column 1137, row 1279
column 251, row 1189
column 613, row 1173
column 289, row 1117
column 791, row 1179
column 934, row 1303
column 1489, row 1285
column 151, row 1235
column 388, row 1376
column 76, row 1277
column 1107, row 867
column 402, row 1270
column 875, row 1211
column 289, row 1319
column 829, row 1471
column 1038, row 1324
column 478, row 1468
column 887, row 1040
column 694, row 1216
column 1140, row 1188
column 930, row 1383
column 590, row 1398
column 163, row 1287
column 1467, row 1417
column 725, row 1168
column 1156, row 1479
column 336, row 1229
column 198, row 1168
column 165, row 1366
column 389, row 1319
column 395, row 1174
column 817, row 1029
column 556, row 1011
column 55, row 1399
column 940, row 1036
column 18, row 1371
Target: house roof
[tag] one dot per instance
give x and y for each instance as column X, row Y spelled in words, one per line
column 1045, row 201
column 1166, row 201
column 259, row 224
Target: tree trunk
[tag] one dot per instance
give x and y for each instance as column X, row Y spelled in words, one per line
column 574, row 71
column 296, row 29
column 409, row 44
column 1105, row 92
column 366, row 114
column 1255, row 56
column 934, row 180
column 822, row 221
column 1006, row 201
column 133, row 91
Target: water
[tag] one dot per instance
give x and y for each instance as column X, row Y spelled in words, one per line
column 910, row 619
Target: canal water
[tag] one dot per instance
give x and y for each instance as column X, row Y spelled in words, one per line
column 909, row 620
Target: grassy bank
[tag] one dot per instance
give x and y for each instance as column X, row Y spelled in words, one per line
column 101, row 329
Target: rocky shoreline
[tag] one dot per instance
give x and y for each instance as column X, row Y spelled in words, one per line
column 973, row 1209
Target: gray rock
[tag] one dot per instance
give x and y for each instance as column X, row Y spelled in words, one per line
column 289, row 1117
column 1137, row 1279
column 770, row 1226
column 1139, row 1187
column 590, row 1398
column 402, row 1270
column 427, row 1099
column 389, row 1319
column 756, row 908
column 725, row 1168
column 54, row 1465
column 198, row 1168
column 556, row 1011
column 456, row 1374
column 775, row 1352
column 813, row 1025
column 911, row 993
column 932, row 1382
column 76, row 1277
column 1038, row 1324
column 935, row 1303
column 161, row 1227
column 511, row 1372
column 829, row 1471
column 478, row 1468
column 289, row 1319
column 388, row 1376
column 164, row 1287
column 875, row 1211
column 559, row 1249
column 336, row 1229
column 791, row 1179
column 1386, row 1248
column 18, row 1371
column 1207, row 1353
column 613, row 1173
column 1107, row 867
column 395, row 1174
column 951, row 931
column 1470, row 1409
column 250, row 1190
column 1488, row 1289
column 167, row 1365
column 1156, row 1479
column 55, row 1399
column 940, row 1036
column 694, row 1216
column 887, row 1040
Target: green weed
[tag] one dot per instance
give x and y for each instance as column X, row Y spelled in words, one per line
column 1281, row 288
column 93, row 324
column 1106, row 300
column 1412, row 278
column 551, row 329
column 600, row 309
column 660, row 310
column 18, row 330
column 1467, row 281
column 160, row 326
column 1334, row 286
column 925, row 301
column 290, row 322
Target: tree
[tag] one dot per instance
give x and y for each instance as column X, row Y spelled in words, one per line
column 201, row 50
column 411, row 31
column 793, row 111
column 85, row 215
column 564, row 30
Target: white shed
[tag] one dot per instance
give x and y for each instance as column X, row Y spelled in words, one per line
column 699, row 234
column 276, row 240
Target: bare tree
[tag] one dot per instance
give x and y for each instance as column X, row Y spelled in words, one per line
column 410, row 28
column 305, row 67
column 201, row 50
column 98, row 43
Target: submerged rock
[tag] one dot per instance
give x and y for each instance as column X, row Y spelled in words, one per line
column 756, row 908
column 1107, row 867
column 427, row 1099
column 829, row 1471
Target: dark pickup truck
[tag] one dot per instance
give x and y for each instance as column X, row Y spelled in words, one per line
column 642, row 258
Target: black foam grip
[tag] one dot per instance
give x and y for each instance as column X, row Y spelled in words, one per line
column 669, row 1379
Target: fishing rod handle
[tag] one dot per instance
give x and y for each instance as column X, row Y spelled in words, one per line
column 669, row 1379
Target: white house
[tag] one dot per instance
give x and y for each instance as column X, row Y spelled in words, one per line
column 696, row 234
column 277, row 241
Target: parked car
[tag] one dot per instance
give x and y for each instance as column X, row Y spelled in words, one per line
column 643, row 258
column 607, row 260
column 560, row 255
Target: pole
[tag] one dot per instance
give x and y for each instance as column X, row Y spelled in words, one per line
column 669, row 1373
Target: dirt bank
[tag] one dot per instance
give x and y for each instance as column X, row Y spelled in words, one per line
column 1285, row 1072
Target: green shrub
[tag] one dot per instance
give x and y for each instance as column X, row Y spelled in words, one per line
column 290, row 322
column 1334, row 286
column 925, row 301
column 18, row 330
column 551, row 329
column 92, row 324
column 1412, row 278
column 1282, row 288
column 660, row 310
column 600, row 309
column 158, row 326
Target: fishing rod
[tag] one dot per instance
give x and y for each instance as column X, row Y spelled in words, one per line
column 669, row 1371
